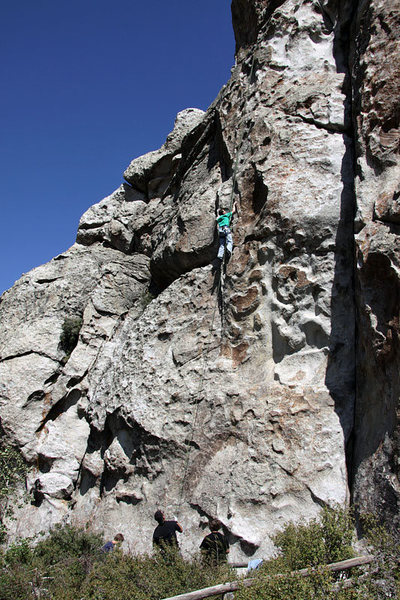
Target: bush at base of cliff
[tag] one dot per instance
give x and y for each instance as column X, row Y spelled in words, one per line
column 67, row 542
column 151, row 577
column 320, row 543
column 315, row 544
column 319, row 586
column 12, row 472
column 384, row 579
column 69, row 564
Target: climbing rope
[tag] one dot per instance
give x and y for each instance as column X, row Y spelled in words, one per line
column 221, row 282
column 189, row 443
column 231, row 201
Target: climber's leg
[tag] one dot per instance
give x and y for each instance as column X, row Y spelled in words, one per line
column 229, row 243
column 221, row 248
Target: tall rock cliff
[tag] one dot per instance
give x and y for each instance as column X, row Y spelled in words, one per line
column 256, row 392
column 376, row 114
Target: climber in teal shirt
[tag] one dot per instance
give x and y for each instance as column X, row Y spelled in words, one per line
column 225, row 235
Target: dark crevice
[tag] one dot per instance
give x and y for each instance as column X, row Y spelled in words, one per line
column 248, row 20
column 341, row 369
column 87, row 481
column 329, row 127
column 329, row 18
column 77, row 481
column 192, row 145
column 75, row 380
column 225, row 159
column 260, row 193
column 164, row 336
column 174, row 263
column 144, row 451
column 392, row 227
column 341, row 358
column 41, row 281
column 316, row 499
column 88, row 226
column 60, row 407
column 44, row 463
column 192, row 444
column 107, row 313
column 129, row 499
column 28, row 353
column 181, row 225
column 53, row 378
column 36, row 396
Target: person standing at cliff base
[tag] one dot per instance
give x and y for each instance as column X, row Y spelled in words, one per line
column 110, row 546
column 225, row 234
column 215, row 547
column 165, row 533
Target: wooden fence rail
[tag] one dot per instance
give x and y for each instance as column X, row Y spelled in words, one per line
column 233, row 586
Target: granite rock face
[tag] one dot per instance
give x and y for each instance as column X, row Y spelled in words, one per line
column 227, row 391
column 376, row 85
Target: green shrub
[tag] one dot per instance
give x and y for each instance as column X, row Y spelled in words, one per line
column 145, row 299
column 289, row 587
column 12, row 472
column 68, row 565
column 15, row 583
column 66, row 542
column 150, row 577
column 319, row 542
column 70, row 334
column 59, row 564
column 384, row 576
column 314, row 544
column 19, row 553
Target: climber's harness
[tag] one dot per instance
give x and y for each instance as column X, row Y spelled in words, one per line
column 224, row 230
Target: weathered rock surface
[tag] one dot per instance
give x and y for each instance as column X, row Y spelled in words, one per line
column 376, row 81
column 230, row 397
column 152, row 172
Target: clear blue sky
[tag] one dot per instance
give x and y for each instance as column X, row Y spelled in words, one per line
column 88, row 85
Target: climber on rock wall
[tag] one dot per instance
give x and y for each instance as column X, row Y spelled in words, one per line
column 225, row 234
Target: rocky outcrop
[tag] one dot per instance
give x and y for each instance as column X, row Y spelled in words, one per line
column 376, row 88
column 224, row 392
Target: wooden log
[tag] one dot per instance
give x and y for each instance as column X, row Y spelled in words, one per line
column 233, row 586
column 214, row 590
column 339, row 566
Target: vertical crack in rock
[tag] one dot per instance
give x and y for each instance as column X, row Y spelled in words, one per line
column 341, row 370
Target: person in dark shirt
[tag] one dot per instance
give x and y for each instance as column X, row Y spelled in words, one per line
column 109, row 546
column 215, row 547
column 165, row 533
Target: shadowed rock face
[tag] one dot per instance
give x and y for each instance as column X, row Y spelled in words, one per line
column 376, row 81
column 233, row 397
